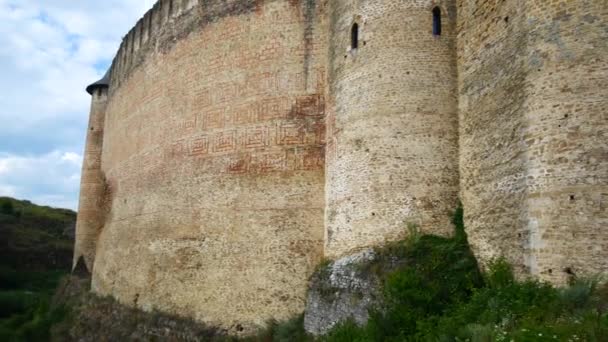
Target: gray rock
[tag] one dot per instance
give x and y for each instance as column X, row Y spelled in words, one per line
column 339, row 291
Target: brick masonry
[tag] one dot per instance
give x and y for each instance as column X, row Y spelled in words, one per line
column 241, row 141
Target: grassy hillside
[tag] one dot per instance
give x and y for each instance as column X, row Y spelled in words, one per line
column 35, row 238
column 36, row 246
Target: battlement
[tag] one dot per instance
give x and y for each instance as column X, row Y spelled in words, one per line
column 157, row 29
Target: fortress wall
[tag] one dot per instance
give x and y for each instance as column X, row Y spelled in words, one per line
column 534, row 159
column 160, row 28
column 567, row 138
column 214, row 156
column 92, row 185
column 392, row 147
column 493, row 166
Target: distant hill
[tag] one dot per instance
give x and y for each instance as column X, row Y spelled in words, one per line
column 35, row 238
column 36, row 244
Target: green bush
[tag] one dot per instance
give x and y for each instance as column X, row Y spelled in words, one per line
column 25, row 312
column 433, row 291
column 29, row 316
column 11, row 279
column 6, row 207
column 15, row 302
column 348, row 331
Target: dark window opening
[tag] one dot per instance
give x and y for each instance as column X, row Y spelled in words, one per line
column 354, row 36
column 436, row 21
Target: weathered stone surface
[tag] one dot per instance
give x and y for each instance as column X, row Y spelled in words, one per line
column 533, row 104
column 240, row 141
column 213, row 154
column 91, row 206
column 392, row 123
column 339, row 291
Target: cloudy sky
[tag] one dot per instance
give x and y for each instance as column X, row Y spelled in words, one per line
column 49, row 51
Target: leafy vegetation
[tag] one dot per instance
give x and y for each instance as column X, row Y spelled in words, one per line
column 35, row 252
column 438, row 294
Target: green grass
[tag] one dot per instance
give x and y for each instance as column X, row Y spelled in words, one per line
column 11, row 279
column 25, row 311
column 34, row 254
column 27, row 316
column 436, row 293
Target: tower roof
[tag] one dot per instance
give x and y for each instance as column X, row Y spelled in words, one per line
column 104, row 82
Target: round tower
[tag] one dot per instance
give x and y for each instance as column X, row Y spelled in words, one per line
column 92, row 182
column 392, row 142
column 534, row 161
column 566, row 140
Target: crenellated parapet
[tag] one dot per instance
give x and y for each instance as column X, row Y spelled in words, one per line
column 166, row 23
column 157, row 30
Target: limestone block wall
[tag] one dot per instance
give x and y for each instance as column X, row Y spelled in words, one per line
column 241, row 141
column 567, row 138
column 534, row 155
column 91, row 206
column 492, row 76
column 392, row 126
column 214, row 156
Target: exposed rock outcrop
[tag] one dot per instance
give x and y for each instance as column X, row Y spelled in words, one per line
column 341, row 290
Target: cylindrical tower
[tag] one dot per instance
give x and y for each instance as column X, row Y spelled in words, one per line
column 92, row 183
column 533, row 159
column 567, row 139
column 392, row 124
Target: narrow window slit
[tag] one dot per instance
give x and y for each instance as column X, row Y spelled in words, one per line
column 354, row 36
column 436, row 21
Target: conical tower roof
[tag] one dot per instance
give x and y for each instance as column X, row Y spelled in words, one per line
column 104, row 82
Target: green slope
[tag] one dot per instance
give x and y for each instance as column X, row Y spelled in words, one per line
column 36, row 245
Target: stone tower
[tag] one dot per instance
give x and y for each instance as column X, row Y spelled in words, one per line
column 392, row 147
column 92, row 183
column 533, row 143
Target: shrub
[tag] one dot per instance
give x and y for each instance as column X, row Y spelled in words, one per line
column 290, row 331
column 11, row 279
column 348, row 332
column 6, row 207
column 433, row 291
column 15, row 302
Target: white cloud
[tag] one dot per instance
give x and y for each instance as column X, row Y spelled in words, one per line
column 7, row 190
column 51, row 178
column 49, row 51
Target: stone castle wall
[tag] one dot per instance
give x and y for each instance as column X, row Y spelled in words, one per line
column 244, row 140
column 533, row 134
column 214, row 155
